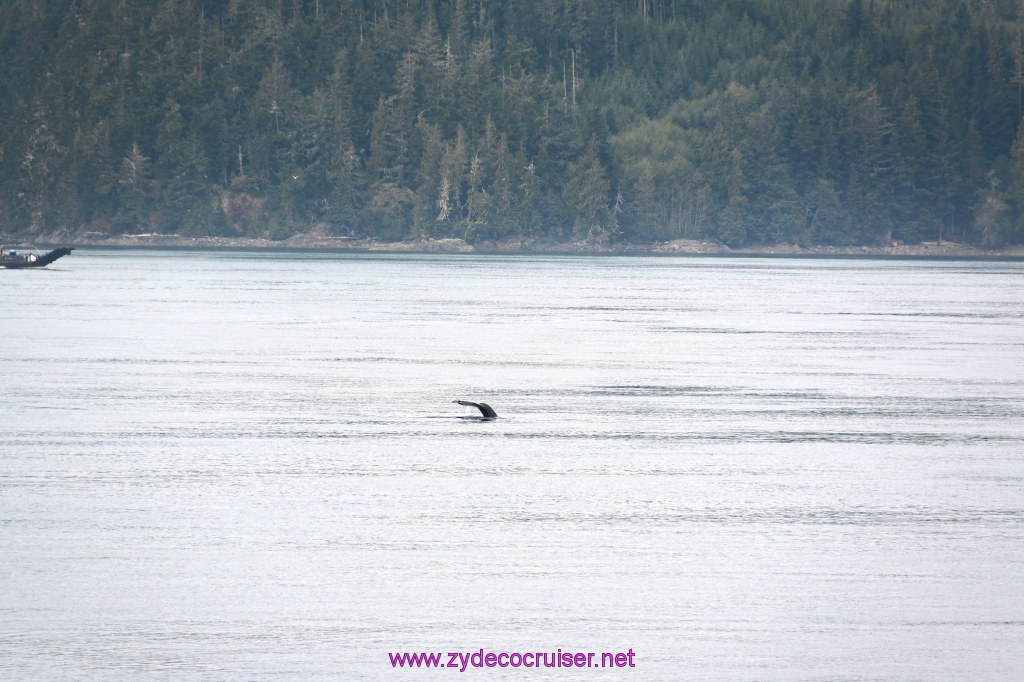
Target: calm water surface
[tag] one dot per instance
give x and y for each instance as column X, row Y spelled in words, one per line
column 234, row 465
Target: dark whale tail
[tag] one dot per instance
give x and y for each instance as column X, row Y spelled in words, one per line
column 484, row 408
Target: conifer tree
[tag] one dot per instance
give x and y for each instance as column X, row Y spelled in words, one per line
column 587, row 193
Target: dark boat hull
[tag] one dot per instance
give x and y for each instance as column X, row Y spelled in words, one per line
column 8, row 261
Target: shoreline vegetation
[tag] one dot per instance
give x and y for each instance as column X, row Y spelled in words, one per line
column 598, row 126
column 525, row 245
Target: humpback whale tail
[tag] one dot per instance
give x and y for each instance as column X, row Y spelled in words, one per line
column 484, row 408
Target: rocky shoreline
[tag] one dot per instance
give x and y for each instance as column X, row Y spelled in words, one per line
column 318, row 240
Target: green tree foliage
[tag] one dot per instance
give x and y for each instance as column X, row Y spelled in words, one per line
column 587, row 193
column 745, row 121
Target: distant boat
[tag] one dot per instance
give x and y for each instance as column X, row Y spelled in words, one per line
column 30, row 258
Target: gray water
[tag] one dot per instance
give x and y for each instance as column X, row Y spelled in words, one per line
column 247, row 465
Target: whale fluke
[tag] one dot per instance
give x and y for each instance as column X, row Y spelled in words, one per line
column 484, row 408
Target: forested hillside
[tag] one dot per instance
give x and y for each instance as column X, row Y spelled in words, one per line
column 745, row 121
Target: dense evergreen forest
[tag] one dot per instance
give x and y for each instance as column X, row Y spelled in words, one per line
column 744, row 121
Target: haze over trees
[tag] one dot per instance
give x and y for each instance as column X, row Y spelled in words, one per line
column 744, row 121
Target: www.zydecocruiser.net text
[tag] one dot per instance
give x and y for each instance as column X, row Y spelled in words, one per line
column 462, row 660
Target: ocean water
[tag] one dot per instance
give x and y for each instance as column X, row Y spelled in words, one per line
column 248, row 465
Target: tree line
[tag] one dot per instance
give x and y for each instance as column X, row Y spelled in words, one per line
column 742, row 121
